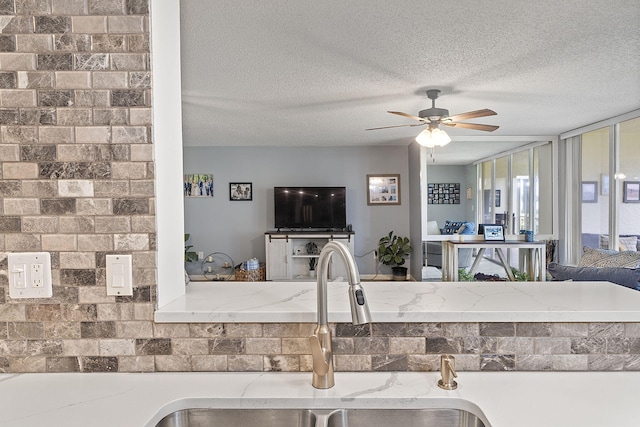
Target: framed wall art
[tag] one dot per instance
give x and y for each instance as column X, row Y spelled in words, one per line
column 383, row 189
column 241, row 191
column 443, row 194
column 631, row 191
column 198, row 185
column 589, row 191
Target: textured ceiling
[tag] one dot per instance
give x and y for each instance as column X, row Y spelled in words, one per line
column 298, row 72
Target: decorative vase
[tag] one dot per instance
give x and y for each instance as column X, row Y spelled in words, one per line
column 312, row 273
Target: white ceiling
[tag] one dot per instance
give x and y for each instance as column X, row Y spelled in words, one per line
column 300, row 72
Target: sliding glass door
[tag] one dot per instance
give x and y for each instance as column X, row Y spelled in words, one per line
column 610, row 187
column 517, row 192
column 486, row 188
column 600, row 175
column 595, row 188
column 521, row 205
column 542, row 200
column 501, row 194
column 628, row 183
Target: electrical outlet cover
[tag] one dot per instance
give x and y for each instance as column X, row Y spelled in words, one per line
column 119, row 275
column 30, row 275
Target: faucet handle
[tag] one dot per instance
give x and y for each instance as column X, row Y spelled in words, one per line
column 321, row 356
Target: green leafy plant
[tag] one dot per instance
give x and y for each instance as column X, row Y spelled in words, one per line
column 520, row 276
column 465, row 276
column 392, row 249
column 189, row 256
column 312, row 249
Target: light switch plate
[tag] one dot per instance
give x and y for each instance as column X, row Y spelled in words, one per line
column 119, row 275
column 30, row 275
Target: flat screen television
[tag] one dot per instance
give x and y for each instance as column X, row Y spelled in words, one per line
column 310, row 207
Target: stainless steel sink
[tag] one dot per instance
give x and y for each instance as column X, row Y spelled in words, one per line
column 321, row 418
column 239, row 418
column 403, row 417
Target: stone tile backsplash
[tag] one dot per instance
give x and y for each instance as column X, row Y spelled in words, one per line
column 76, row 180
column 108, row 337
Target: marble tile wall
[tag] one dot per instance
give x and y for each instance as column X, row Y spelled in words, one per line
column 77, row 180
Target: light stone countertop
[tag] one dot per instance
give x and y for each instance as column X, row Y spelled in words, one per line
column 500, row 399
column 407, row 302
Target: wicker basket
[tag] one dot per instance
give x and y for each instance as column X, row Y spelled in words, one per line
column 259, row 275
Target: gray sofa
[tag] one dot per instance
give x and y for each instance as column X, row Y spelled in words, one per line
column 620, row 267
column 627, row 277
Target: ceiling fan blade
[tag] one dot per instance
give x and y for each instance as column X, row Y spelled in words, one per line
column 475, row 126
column 472, row 115
column 397, row 126
column 400, row 113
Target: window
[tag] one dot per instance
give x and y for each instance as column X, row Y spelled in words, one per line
column 595, row 169
column 508, row 196
column 521, row 191
column 544, row 191
column 604, row 154
column 628, row 172
column 515, row 203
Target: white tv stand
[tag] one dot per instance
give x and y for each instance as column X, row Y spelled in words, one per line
column 287, row 258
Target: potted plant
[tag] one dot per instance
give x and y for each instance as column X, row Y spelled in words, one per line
column 312, row 266
column 391, row 251
column 312, row 249
column 189, row 256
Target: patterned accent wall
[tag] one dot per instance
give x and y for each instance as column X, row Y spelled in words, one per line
column 77, row 180
column 77, row 177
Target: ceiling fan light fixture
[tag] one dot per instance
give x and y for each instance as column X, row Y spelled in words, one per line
column 433, row 138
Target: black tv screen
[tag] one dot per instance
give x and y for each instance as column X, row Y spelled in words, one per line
column 310, row 207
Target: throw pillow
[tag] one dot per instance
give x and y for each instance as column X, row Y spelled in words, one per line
column 605, row 258
column 629, row 243
column 432, row 228
column 451, row 227
column 627, row 277
column 626, row 243
column 467, row 228
column 604, row 241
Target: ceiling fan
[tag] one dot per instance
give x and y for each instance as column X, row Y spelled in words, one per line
column 434, row 117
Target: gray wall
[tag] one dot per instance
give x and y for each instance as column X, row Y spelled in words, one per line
column 450, row 174
column 237, row 228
